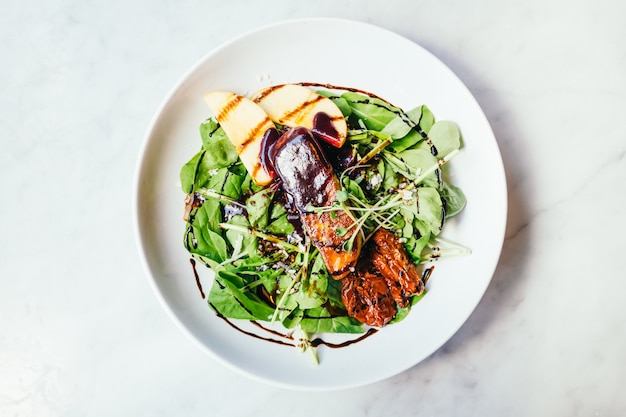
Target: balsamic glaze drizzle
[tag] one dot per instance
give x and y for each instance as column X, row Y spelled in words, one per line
column 317, row 341
column 415, row 126
column 195, row 273
column 256, row 336
column 284, row 339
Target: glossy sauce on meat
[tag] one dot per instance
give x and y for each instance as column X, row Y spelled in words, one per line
column 390, row 258
column 305, row 173
column 367, row 298
column 309, row 181
column 384, row 279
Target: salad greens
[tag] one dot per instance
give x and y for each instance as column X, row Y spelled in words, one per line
column 265, row 268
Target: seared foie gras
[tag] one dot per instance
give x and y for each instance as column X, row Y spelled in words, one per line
column 390, row 258
column 309, row 181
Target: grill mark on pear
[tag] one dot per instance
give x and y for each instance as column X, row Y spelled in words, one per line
column 232, row 104
column 303, row 109
column 252, row 133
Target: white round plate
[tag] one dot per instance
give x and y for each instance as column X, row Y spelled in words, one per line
column 343, row 53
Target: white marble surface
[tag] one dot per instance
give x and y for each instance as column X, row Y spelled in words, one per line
column 81, row 332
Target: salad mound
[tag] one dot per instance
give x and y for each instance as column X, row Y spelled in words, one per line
column 319, row 210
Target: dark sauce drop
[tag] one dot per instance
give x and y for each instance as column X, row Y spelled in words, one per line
column 427, row 273
column 268, row 142
column 340, row 158
column 324, row 129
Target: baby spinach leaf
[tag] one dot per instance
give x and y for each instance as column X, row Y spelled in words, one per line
column 430, row 209
column 421, row 120
column 403, row 312
column 277, row 210
column 455, row 199
column 409, row 141
column 312, row 292
column 216, row 244
column 320, row 320
column 427, row 120
column 293, row 319
column 391, row 179
column 269, row 278
column 227, row 297
column 411, row 163
column 333, row 290
column 217, row 152
column 407, row 214
column 210, row 131
column 253, row 262
column 225, row 182
column 209, row 215
column 281, row 226
column 258, row 206
column 203, row 235
column 307, row 300
column 374, row 112
column 287, row 290
column 416, row 243
column 417, row 160
column 352, row 187
column 248, row 241
column 221, row 151
column 339, row 102
column 194, row 174
column 403, row 123
column 445, row 136
column 205, row 242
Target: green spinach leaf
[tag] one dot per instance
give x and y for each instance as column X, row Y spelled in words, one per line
column 455, row 199
column 320, row 320
column 373, row 112
column 228, row 298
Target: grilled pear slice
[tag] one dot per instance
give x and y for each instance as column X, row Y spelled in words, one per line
column 245, row 124
column 294, row 105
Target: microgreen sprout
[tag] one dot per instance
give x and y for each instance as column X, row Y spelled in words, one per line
column 438, row 165
column 376, row 150
column 251, row 285
column 303, row 271
column 237, row 252
column 283, row 298
column 261, row 235
column 207, row 192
